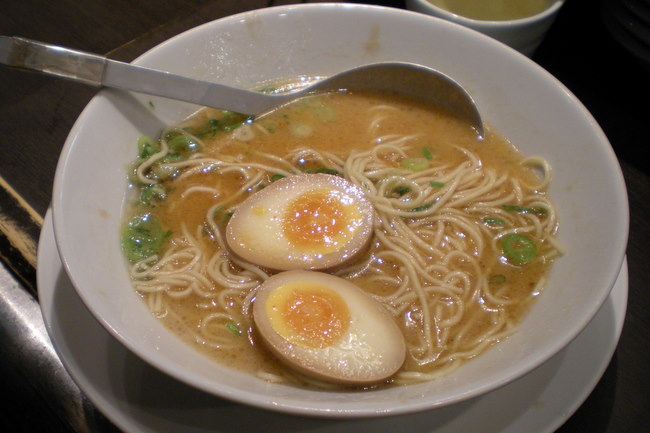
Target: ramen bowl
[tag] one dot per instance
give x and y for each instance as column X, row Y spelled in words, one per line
column 516, row 98
column 523, row 33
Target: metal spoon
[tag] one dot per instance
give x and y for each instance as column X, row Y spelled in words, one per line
column 406, row 79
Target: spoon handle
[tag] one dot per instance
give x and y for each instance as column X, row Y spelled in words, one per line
column 96, row 70
column 52, row 60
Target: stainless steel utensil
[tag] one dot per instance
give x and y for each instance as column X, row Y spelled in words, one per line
column 403, row 78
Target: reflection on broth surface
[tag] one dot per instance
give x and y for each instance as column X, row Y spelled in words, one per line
column 462, row 236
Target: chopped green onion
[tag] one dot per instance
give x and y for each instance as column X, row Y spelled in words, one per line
column 232, row 327
column 226, row 121
column 427, row 153
column 522, row 209
column 436, row 184
column 172, row 157
column 151, row 193
column 415, row 164
column 497, row 279
column 230, row 120
column 147, row 147
column 132, row 172
column 162, row 171
column 494, row 221
column 421, row 208
column 324, row 171
column 518, row 249
column 143, row 237
column 214, row 126
column 401, row 190
column 277, row 176
column 222, row 215
column 182, row 143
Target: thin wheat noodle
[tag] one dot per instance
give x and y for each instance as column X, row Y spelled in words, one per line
column 424, row 263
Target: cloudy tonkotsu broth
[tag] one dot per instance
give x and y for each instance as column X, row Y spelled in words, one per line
column 463, row 238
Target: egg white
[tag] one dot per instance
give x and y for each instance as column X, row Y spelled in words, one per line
column 255, row 230
column 371, row 349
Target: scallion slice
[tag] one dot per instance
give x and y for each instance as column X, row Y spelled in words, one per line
column 232, row 327
column 324, row 171
column 420, row 208
column 518, row 249
column 415, row 164
column 494, row 221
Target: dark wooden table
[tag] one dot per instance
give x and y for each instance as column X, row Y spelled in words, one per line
column 37, row 112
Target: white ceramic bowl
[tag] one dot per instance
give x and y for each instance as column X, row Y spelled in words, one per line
column 523, row 34
column 516, row 97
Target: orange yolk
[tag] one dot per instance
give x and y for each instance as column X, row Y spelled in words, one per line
column 320, row 220
column 308, row 314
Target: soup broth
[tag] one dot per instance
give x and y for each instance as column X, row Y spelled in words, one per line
column 497, row 10
column 462, row 243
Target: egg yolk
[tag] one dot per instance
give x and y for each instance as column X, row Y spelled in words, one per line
column 321, row 220
column 308, row 314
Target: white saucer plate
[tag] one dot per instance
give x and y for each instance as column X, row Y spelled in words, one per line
column 137, row 398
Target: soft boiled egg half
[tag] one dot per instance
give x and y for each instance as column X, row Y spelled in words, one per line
column 305, row 221
column 328, row 328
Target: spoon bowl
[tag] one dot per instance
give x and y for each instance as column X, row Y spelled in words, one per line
column 402, row 78
column 405, row 79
